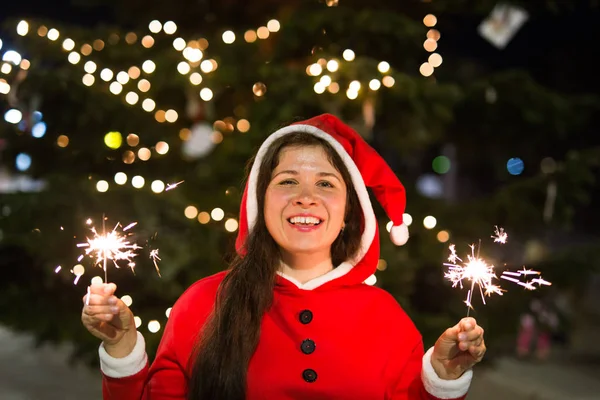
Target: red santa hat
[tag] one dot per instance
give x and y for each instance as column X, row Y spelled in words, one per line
column 366, row 167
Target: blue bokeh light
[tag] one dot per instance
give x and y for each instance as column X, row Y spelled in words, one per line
column 23, row 161
column 515, row 166
column 430, row 185
column 39, row 130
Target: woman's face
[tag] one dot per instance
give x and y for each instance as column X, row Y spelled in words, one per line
column 305, row 202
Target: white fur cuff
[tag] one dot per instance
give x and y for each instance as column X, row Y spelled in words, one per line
column 441, row 388
column 129, row 365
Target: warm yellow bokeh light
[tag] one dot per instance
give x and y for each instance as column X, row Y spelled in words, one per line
column 206, row 94
column 196, row 78
column 154, row 326
column 159, row 115
column 144, row 154
column 132, row 98
column 204, row 217
column 115, row 88
column 133, row 139
column 348, row 55
column 250, row 36
column 113, row 140
column 144, row 85
column 138, row 181
column 148, row 105
column 122, row 77
column 426, row 69
column 22, row 28
column 430, row 45
column 106, row 74
column 183, row 68
column 383, row 67
column 162, row 147
column 429, row 222
column 243, row 125
column 262, row 32
column 157, row 186
column 148, row 66
column 147, row 41
column 435, row 60
column 443, row 236
column 88, row 80
column 179, row 44
column 90, row 67
column 102, row 186
column 374, row 84
column 228, row 37
column 217, row 214
column 171, row 116
column 190, row 212
column 62, row 141
column 68, row 44
column 273, row 25
column 388, row 81
column 231, row 225
column 333, row 65
column 134, row 72
column 74, row 57
column 120, row 178
column 430, row 20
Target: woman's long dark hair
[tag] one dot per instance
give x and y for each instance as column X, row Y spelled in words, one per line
column 231, row 333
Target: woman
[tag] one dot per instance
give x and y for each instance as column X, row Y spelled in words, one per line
column 292, row 318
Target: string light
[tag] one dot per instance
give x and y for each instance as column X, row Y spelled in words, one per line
column 132, row 98
column 195, row 78
column 204, row 217
column 90, row 67
column 228, row 37
column 262, row 32
column 68, row 44
column 157, row 186
column 206, row 94
column 170, row 27
column 190, row 212
column 383, row 67
column 88, row 79
column 115, row 88
column 22, row 28
column 179, row 44
column 217, row 214
column 155, row 26
column 138, row 182
column 74, row 57
column 148, row 66
column 183, row 68
column 250, row 36
column 273, row 25
column 148, row 105
column 106, row 74
column 53, row 34
column 348, row 55
column 122, row 77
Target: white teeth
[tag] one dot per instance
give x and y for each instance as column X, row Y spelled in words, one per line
column 305, row 220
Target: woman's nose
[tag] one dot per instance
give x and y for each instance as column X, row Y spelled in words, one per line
column 306, row 197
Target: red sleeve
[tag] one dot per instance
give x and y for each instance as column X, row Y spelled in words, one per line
column 407, row 383
column 165, row 379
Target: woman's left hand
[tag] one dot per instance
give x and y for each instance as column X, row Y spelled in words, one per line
column 458, row 349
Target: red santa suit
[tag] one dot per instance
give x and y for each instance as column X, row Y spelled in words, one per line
column 333, row 337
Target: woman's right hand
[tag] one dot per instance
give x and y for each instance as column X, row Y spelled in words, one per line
column 109, row 319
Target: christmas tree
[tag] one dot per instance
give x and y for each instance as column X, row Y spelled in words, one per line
column 152, row 118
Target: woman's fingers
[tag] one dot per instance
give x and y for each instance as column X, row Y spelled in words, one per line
column 95, row 310
column 97, row 299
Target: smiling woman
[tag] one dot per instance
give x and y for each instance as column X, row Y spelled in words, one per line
column 292, row 318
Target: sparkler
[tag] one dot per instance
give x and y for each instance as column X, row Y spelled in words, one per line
column 173, row 185
column 113, row 246
column 479, row 273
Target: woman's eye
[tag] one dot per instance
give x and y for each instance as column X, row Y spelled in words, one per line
column 287, row 182
column 325, row 184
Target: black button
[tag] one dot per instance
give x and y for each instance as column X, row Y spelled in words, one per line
column 307, row 346
column 309, row 375
column 306, row 316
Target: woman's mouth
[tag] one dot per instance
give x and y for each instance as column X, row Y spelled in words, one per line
column 305, row 221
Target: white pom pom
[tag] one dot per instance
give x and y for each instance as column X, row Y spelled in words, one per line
column 399, row 234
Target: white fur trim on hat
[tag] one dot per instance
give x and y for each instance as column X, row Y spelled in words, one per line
column 357, row 180
column 399, row 234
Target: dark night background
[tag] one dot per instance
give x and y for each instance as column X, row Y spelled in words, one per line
column 536, row 99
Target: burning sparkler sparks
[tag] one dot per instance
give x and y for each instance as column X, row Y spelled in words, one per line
column 113, row 246
column 499, row 235
column 481, row 274
column 173, row 185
